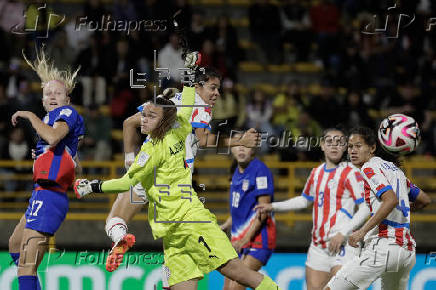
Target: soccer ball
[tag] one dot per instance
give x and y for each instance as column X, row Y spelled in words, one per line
column 399, row 134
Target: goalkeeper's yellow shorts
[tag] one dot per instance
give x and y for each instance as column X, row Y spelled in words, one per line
column 194, row 249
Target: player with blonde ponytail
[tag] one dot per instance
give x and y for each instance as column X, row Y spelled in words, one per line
column 54, row 168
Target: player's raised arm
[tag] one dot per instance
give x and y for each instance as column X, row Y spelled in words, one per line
column 188, row 99
column 52, row 135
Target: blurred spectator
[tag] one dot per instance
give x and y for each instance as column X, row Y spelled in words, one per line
column 198, row 31
column 353, row 71
column 171, row 57
column 259, row 112
column 226, row 41
column 213, row 58
column 229, row 110
column 4, row 49
column 265, row 29
column 13, row 77
column 118, row 67
column 6, row 110
column 60, row 52
column 286, row 107
column 17, row 150
column 11, row 14
column 325, row 108
column 306, row 129
column 356, row 112
column 124, row 10
column 140, row 43
column 94, row 11
column 122, row 105
column 77, row 37
column 325, row 19
column 97, row 140
column 296, row 24
column 406, row 101
column 91, row 73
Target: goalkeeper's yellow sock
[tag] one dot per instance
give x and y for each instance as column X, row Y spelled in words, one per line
column 267, row 284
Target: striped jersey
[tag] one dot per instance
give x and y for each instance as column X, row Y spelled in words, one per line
column 380, row 176
column 200, row 118
column 331, row 191
column 246, row 187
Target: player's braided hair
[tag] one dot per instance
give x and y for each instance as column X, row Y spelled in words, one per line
column 48, row 72
column 169, row 114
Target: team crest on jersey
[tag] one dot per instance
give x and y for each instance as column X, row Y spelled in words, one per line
column 45, row 120
column 245, row 184
column 331, row 184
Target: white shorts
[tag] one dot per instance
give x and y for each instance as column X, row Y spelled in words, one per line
column 380, row 258
column 320, row 259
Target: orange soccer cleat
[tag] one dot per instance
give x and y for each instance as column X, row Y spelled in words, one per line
column 116, row 255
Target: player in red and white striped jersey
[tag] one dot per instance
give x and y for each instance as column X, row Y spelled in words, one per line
column 335, row 189
column 389, row 250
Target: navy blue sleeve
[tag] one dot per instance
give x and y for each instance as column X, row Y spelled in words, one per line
column 414, row 192
column 80, row 127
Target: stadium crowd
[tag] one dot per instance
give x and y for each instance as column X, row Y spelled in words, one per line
column 361, row 74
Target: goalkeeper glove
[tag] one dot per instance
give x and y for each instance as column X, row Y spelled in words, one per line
column 84, row 187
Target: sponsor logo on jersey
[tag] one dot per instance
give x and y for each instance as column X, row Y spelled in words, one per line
column 178, row 147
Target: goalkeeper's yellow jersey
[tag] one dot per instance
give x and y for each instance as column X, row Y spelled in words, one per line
column 161, row 168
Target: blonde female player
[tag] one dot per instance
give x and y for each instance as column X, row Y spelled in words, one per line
column 253, row 235
column 334, row 188
column 193, row 242
column 389, row 250
column 53, row 171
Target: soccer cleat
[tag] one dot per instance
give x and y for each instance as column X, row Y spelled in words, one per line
column 116, row 255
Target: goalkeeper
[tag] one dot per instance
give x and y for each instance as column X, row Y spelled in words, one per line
column 194, row 244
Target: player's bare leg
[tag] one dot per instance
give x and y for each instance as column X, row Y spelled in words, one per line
column 126, row 206
column 237, row 271
column 252, row 263
column 33, row 246
column 123, row 210
column 186, row 285
column 316, row 280
column 16, row 237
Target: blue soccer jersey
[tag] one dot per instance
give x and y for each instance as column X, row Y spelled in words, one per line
column 246, row 187
column 75, row 123
column 53, row 173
